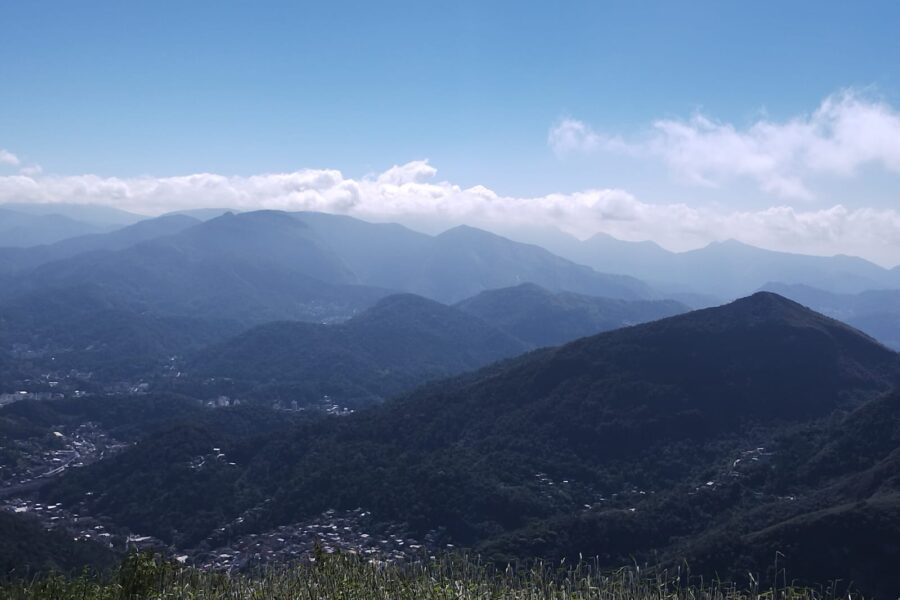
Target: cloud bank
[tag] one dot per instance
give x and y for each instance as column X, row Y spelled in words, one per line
column 847, row 131
column 412, row 194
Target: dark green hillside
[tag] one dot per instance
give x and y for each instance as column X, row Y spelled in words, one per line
column 27, row 549
column 547, row 454
column 399, row 343
column 843, row 519
column 173, row 481
column 126, row 417
column 542, row 318
column 87, row 329
column 26, row 427
column 646, row 406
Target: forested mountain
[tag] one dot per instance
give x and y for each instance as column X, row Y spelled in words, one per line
column 402, row 341
column 28, row 549
column 625, row 444
column 842, row 482
column 539, row 317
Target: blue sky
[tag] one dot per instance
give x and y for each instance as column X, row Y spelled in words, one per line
column 128, row 89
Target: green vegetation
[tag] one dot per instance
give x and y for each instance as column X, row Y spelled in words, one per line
column 348, row 577
column 26, row 548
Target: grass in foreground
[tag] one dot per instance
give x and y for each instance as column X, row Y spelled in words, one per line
column 348, row 577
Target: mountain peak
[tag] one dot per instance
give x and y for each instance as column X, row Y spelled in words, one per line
column 468, row 232
column 768, row 301
column 768, row 307
column 403, row 302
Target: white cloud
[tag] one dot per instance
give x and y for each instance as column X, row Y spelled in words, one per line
column 571, row 135
column 848, row 130
column 410, row 194
column 8, row 158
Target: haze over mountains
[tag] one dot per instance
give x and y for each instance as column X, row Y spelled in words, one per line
column 26, row 224
column 720, row 271
column 205, row 378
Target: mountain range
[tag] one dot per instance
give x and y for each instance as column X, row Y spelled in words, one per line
column 462, row 261
column 265, row 265
column 509, row 400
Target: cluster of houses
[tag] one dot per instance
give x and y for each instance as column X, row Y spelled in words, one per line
column 332, row 531
column 81, row 527
column 66, row 448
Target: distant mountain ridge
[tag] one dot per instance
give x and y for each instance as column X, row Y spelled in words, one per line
column 269, row 265
column 458, row 263
column 18, row 230
column 18, row 259
column 725, row 269
column 32, row 224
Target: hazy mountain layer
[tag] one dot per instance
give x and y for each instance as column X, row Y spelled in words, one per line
column 725, row 269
